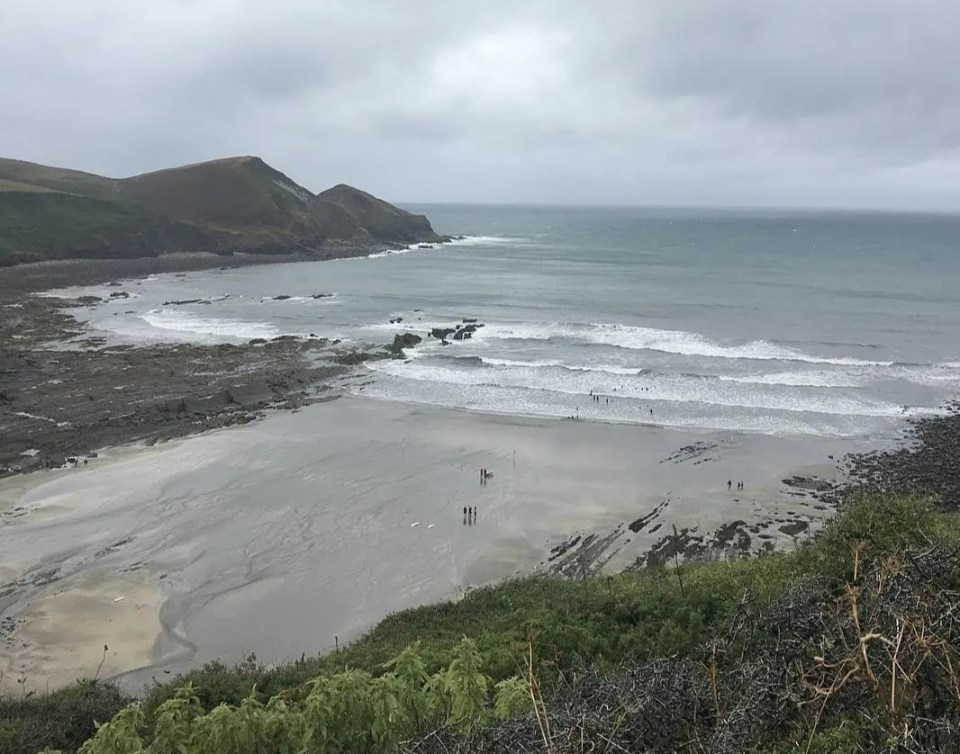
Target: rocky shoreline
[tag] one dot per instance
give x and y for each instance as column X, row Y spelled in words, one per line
column 65, row 395
column 927, row 462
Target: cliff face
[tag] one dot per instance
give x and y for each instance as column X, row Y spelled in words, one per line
column 234, row 204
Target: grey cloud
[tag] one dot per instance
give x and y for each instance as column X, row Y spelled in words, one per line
column 618, row 101
column 832, row 74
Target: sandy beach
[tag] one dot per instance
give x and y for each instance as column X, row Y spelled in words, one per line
column 284, row 536
column 90, row 625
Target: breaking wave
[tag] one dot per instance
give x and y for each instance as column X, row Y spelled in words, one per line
column 211, row 327
column 667, row 341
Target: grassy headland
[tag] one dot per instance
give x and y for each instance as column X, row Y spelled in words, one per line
column 238, row 204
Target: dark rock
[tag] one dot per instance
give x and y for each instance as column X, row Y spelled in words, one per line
column 119, row 294
column 350, row 358
column 808, row 483
column 403, row 340
column 794, row 528
column 465, row 333
column 281, row 297
column 441, row 333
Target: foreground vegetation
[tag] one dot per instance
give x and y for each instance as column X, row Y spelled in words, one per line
column 843, row 645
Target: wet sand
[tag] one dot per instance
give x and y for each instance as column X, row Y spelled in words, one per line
column 278, row 536
column 91, row 625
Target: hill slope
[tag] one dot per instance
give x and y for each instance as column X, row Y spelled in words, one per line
column 57, row 179
column 223, row 206
column 382, row 221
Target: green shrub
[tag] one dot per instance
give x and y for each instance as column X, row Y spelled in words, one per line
column 61, row 720
column 872, row 526
column 350, row 711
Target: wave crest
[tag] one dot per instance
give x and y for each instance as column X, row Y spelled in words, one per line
column 678, row 342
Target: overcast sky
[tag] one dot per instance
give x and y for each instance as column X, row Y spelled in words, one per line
column 732, row 102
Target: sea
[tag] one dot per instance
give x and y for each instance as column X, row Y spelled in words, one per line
column 778, row 322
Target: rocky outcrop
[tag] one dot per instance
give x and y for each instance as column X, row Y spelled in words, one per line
column 403, row 340
column 459, row 332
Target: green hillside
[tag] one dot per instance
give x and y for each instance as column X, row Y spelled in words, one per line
column 58, row 179
column 382, row 221
column 233, row 204
column 38, row 224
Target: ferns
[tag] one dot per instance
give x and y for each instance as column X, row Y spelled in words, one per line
column 119, row 736
column 350, row 711
column 465, row 686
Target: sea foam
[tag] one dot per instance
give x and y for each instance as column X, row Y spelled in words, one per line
column 645, row 388
column 207, row 328
column 667, row 341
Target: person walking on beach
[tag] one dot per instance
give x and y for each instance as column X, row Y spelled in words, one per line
column 729, row 484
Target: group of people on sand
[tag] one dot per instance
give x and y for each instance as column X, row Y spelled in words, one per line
column 469, row 511
column 730, row 485
column 595, row 397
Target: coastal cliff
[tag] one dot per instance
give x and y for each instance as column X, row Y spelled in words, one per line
column 237, row 204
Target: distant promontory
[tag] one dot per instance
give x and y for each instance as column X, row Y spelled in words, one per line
column 237, row 204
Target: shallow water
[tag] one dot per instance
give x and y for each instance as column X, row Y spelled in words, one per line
column 783, row 323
